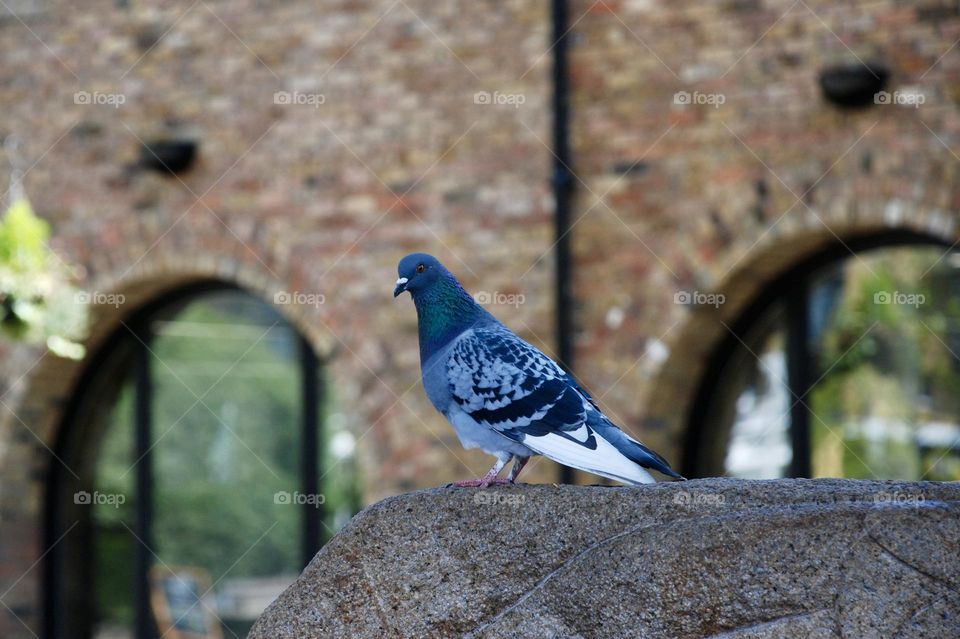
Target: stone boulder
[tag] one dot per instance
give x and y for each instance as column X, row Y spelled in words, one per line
column 704, row 558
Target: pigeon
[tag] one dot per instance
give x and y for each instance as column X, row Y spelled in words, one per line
column 503, row 395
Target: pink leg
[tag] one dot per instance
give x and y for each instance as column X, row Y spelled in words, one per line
column 490, row 479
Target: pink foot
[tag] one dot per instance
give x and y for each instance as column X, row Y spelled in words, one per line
column 483, row 482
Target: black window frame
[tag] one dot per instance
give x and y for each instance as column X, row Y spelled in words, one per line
column 136, row 331
column 791, row 288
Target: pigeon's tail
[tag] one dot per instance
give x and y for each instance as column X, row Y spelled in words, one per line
column 637, row 452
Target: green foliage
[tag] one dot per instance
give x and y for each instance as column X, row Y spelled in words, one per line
column 37, row 301
column 885, row 366
column 23, row 238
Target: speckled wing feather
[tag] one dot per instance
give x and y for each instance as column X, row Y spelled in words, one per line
column 506, row 384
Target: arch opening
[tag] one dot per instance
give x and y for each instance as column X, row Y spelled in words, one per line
column 193, row 440
column 842, row 365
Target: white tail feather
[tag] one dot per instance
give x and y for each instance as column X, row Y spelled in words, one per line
column 605, row 460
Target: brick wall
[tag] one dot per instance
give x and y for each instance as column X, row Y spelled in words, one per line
column 726, row 194
column 400, row 156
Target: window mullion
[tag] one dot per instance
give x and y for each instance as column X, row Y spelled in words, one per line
column 312, row 392
column 143, row 486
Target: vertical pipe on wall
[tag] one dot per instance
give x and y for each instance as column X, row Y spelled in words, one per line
column 563, row 184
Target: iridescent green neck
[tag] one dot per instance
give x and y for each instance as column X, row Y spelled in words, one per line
column 444, row 310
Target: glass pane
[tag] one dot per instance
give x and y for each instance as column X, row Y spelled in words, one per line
column 113, row 519
column 885, row 333
column 227, row 416
column 759, row 444
column 340, row 480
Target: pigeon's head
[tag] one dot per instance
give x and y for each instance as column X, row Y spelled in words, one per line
column 418, row 271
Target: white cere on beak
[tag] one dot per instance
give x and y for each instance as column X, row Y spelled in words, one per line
column 402, row 280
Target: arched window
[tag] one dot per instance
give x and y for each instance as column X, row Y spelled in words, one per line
column 194, row 446
column 848, row 366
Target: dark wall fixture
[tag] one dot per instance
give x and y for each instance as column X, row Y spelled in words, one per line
column 171, row 156
column 637, row 167
column 853, row 85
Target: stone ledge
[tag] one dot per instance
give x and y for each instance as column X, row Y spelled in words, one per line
column 712, row 557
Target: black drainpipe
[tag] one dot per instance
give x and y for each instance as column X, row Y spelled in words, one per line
column 563, row 184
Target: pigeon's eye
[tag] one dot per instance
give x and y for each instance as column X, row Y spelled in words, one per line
column 421, row 268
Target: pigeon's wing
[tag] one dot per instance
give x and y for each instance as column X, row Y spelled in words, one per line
column 504, row 383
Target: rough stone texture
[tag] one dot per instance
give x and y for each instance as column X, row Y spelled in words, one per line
column 718, row 557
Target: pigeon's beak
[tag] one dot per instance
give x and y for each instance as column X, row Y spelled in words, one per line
column 401, row 286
